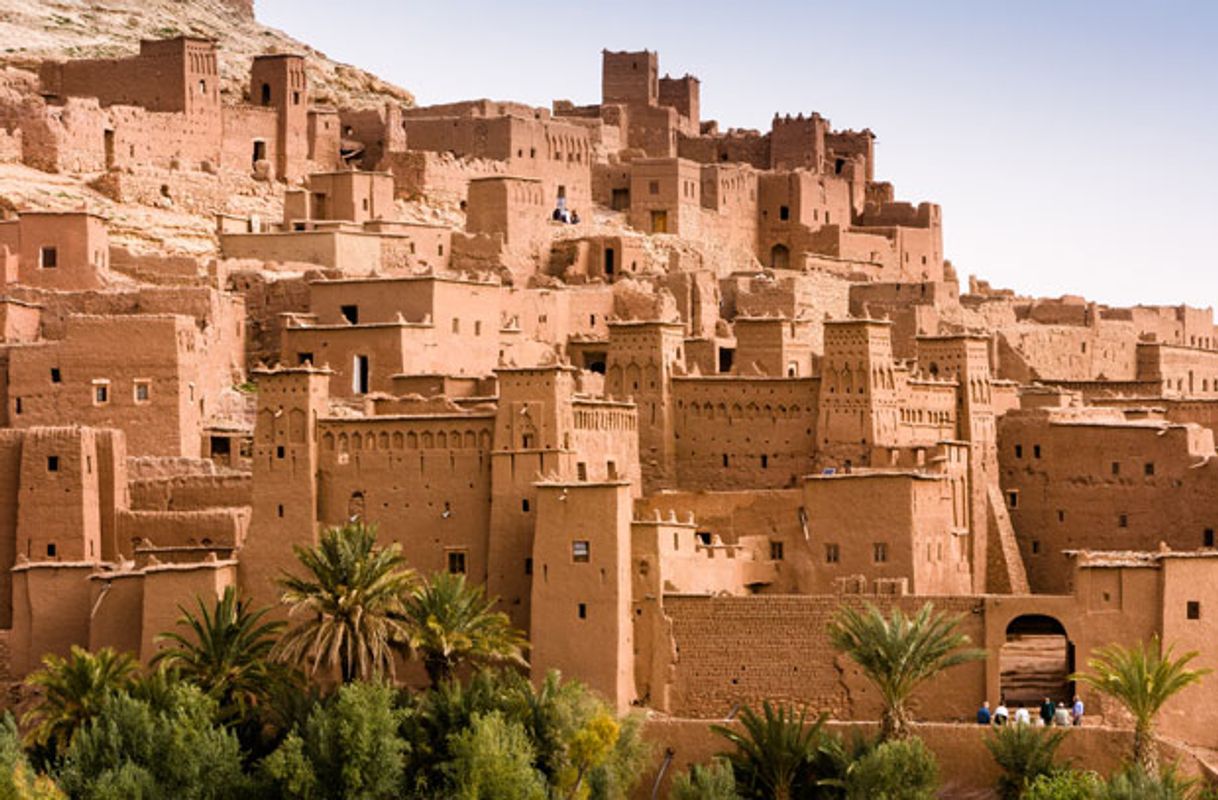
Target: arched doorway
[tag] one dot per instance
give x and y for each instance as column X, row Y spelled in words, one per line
column 1036, row 661
column 780, row 257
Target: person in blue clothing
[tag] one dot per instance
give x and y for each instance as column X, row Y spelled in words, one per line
column 1077, row 711
column 983, row 713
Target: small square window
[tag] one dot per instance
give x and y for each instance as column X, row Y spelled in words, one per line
column 1035, row 546
column 143, row 391
column 1207, row 538
column 581, row 551
column 350, row 313
column 528, row 566
column 101, row 393
column 56, row 376
column 456, row 325
column 1035, row 451
column 833, row 554
column 304, row 358
column 1019, row 451
column 1061, row 515
column 776, row 551
column 1116, row 467
column 784, row 212
column 524, row 505
column 1149, row 469
column 1013, row 499
column 280, row 510
column 48, row 258
column 52, row 463
column 456, row 562
column 1123, row 521
column 279, row 451
column 1193, row 609
column 653, row 187
column 879, row 552
column 53, row 551
column 583, row 610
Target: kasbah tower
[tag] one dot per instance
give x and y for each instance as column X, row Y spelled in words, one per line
column 673, row 392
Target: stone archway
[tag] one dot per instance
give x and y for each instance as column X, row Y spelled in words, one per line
column 1036, row 661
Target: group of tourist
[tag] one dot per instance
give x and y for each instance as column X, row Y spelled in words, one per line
column 565, row 215
column 1051, row 714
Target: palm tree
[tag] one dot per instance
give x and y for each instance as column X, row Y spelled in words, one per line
column 349, row 608
column 898, row 653
column 226, row 652
column 1141, row 678
column 1023, row 753
column 777, row 753
column 452, row 622
column 74, row 690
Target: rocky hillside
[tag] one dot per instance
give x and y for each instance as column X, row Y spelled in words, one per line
column 35, row 30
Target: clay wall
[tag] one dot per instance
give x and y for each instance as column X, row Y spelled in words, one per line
column 1190, row 372
column 1092, row 480
column 798, row 143
column 179, row 74
column 19, row 321
column 436, row 177
column 743, row 146
column 555, row 152
column 58, row 250
column 424, row 481
column 581, row 620
column 202, row 529
column 683, row 94
column 1179, row 325
column 733, row 432
column 145, row 375
column 878, row 530
column 665, row 196
column 775, row 346
column 775, row 647
column 1028, row 351
column 348, row 251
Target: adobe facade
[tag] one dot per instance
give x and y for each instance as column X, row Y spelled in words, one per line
column 673, row 394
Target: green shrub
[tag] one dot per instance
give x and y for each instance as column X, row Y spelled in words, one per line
column 18, row 780
column 713, row 781
column 349, row 747
column 1065, row 784
column 902, row 769
column 173, row 749
column 493, row 760
column 1024, row 753
column 1133, row 783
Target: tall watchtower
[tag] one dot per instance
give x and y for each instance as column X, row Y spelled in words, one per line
column 630, row 78
column 285, row 475
column 279, row 81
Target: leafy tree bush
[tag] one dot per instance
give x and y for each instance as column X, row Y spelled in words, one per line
column 349, row 747
column 133, row 749
column 897, row 770
column 1023, row 753
column 713, row 781
column 1135, row 783
column 1064, row 784
column 18, row 780
column 493, row 760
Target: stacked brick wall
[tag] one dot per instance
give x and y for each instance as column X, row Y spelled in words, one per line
column 179, row 492
column 731, row 650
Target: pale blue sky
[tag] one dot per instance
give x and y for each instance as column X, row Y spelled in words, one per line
column 1072, row 145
